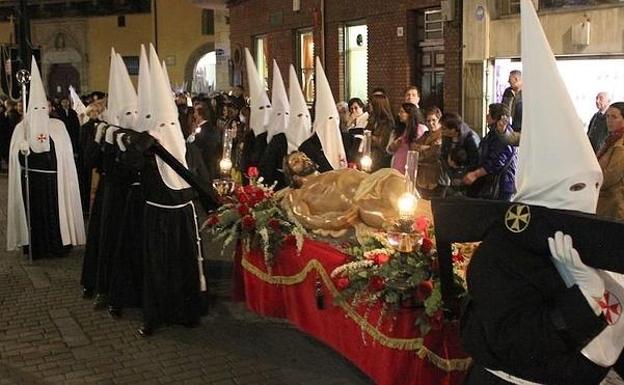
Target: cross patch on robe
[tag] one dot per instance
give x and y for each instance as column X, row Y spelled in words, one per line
column 41, row 138
column 611, row 308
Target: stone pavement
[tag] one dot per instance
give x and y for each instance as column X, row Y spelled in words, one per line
column 49, row 335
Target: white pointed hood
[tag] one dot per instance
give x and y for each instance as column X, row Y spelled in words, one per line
column 327, row 122
column 37, row 114
column 78, row 105
column 280, row 105
column 144, row 97
column 166, row 73
column 165, row 126
column 110, row 115
column 299, row 123
column 260, row 105
column 127, row 110
column 557, row 167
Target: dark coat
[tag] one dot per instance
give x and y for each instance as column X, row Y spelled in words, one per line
column 209, row 142
column 498, row 157
column 597, row 130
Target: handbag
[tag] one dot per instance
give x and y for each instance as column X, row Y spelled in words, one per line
column 488, row 186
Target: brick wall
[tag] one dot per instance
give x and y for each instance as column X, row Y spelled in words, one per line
column 391, row 63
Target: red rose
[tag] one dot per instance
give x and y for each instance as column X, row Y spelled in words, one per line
column 243, row 210
column 424, row 289
column 274, row 224
column 249, row 223
column 379, row 258
column 342, row 283
column 377, row 283
column 252, row 172
column 436, row 320
column 426, row 245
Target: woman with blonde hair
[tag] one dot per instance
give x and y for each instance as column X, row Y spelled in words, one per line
column 611, row 159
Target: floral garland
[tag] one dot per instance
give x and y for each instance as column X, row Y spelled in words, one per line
column 254, row 217
column 378, row 272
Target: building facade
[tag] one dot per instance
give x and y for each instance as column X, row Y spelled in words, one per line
column 75, row 42
column 363, row 44
column 587, row 37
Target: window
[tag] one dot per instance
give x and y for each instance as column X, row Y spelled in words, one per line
column 305, row 62
column 132, row 63
column 121, row 21
column 509, row 7
column 262, row 65
column 208, row 22
column 356, row 61
column 433, row 24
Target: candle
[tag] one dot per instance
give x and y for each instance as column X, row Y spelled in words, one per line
column 225, row 165
column 366, row 163
column 407, row 205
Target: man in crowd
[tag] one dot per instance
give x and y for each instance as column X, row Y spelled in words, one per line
column 68, row 116
column 597, row 130
column 512, row 98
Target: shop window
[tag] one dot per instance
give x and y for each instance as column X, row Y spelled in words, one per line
column 356, row 61
column 305, row 63
column 261, row 51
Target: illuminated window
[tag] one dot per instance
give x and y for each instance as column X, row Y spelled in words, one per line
column 305, row 62
column 262, row 65
column 356, row 61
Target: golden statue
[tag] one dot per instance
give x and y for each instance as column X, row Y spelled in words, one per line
column 335, row 201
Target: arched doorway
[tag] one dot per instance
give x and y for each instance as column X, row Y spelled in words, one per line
column 205, row 74
column 60, row 77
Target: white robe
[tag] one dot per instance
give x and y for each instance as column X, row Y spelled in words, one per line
column 70, row 208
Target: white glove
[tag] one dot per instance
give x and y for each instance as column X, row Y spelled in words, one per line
column 120, row 142
column 100, row 132
column 109, row 134
column 572, row 269
column 607, row 346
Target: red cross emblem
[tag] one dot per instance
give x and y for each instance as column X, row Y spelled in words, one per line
column 41, row 138
column 611, row 307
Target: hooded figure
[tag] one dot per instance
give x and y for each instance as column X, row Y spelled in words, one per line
column 78, row 105
column 299, row 124
column 259, row 117
column 172, row 261
column 55, row 208
column 537, row 313
column 325, row 147
column 271, row 161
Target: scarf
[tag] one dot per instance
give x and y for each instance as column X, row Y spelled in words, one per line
column 613, row 137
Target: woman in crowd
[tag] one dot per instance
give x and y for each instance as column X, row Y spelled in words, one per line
column 409, row 129
column 611, row 159
column 494, row 178
column 428, row 147
column 358, row 118
column 459, row 152
column 381, row 125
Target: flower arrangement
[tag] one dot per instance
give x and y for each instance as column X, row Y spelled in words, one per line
column 253, row 216
column 377, row 272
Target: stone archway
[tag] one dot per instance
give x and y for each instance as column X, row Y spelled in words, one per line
column 197, row 54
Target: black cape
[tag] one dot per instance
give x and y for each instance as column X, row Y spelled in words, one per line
column 271, row 162
column 520, row 317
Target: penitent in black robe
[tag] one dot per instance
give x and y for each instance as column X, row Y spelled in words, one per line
column 314, row 150
column 271, row 162
column 521, row 318
column 88, row 159
column 44, row 211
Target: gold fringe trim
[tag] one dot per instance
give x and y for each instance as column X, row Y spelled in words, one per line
column 412, row 344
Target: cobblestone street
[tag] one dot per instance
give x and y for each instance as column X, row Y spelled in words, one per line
column 50, row 335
